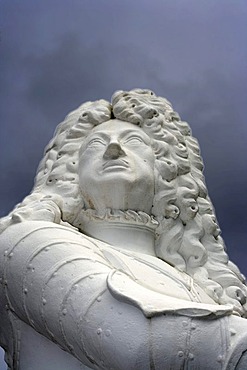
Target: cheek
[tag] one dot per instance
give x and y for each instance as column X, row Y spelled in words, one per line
column 86, row 164
column 88, row 171
column 84, row 170
column 148, row 159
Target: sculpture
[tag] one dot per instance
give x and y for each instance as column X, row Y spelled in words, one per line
column 115, row 259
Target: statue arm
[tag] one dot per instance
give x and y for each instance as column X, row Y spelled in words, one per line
column 56, row 281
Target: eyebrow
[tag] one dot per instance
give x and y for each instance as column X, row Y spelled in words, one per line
column 123, row 134
column 96, row 134
column 105, row 136
column 133, row 131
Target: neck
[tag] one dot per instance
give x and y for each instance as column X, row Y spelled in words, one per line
column 125, row 230
column 135, row 238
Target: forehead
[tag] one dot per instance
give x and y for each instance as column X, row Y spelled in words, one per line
column 116, row 127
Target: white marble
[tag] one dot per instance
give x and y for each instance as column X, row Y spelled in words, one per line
column 115, row 260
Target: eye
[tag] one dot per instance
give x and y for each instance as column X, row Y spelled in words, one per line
column 96, row 143
column 134, row 140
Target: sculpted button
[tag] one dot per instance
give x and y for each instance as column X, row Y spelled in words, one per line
column 233, row 331
column 220, row 358
column 185, row 323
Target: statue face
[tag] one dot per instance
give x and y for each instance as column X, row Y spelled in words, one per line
column 116, row 167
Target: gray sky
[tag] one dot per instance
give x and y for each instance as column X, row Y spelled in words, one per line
column 56, row 54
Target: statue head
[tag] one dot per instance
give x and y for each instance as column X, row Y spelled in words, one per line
column 116, row 168
column 135, row 160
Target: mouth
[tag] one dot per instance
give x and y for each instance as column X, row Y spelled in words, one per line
column 115, row 164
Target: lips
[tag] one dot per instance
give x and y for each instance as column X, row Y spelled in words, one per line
column 115, row 163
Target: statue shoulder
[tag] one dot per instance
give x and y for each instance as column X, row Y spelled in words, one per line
column 27, row 232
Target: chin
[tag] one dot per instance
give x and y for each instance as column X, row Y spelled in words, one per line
column 119, row 191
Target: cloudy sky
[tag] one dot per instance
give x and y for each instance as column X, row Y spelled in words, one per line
column 56, row 54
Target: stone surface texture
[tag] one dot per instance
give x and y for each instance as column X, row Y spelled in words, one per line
column 115, row 260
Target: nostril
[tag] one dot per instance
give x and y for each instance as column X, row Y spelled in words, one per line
column 113, row 151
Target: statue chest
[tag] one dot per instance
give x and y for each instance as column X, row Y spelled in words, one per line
column 158, row 276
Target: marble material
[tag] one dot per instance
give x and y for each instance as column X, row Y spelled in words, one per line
column 115, row 259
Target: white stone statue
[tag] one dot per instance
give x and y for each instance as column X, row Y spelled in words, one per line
column 115, row 259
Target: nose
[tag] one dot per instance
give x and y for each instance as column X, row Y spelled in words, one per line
column 113, row 151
